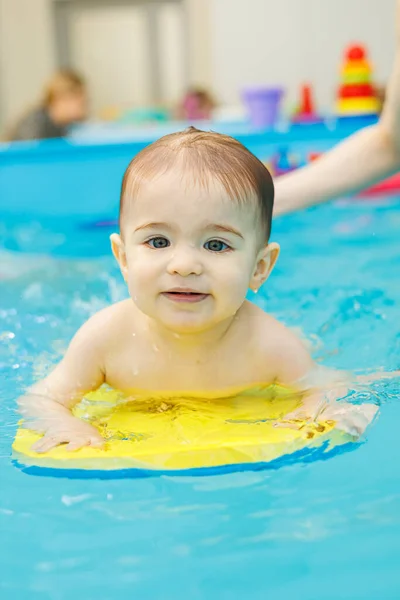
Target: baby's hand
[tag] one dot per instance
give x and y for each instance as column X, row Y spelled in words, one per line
column 350, row 418
column 73, row 432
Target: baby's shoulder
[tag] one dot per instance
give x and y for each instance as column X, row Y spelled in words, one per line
column 275, row 346
column 264, row 329
column 109, row 323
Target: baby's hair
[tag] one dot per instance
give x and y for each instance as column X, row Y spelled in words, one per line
column 204, row 156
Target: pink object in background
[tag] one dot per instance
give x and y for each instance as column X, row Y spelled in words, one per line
column 197, row 106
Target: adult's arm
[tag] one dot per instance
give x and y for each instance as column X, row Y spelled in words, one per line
column 361, row 160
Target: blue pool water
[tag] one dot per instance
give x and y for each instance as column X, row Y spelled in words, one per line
column 313, row 531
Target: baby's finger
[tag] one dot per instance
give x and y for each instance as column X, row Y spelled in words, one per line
column 356, row 422
column 350, row 428
column 96, row 442
column 354, row 427
column 47, row 443
column 309, row 413
column 290, row 423
column 77, row 444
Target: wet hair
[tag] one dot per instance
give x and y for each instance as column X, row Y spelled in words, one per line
column 204, row 156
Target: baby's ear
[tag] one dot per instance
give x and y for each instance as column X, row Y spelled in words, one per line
column 266, row 260
column 118, row 249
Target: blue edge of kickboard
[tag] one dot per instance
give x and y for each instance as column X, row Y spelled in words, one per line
column 305, row 455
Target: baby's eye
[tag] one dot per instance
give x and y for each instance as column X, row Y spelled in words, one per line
column 216, row 246
column 158, row 242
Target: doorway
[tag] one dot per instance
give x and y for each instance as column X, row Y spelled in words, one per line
column 133, row 53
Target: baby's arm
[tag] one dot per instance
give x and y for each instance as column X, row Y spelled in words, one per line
column 359, row 161
column 322, row 390
column 46, row 407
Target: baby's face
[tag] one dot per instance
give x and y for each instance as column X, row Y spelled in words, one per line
column 189, row 254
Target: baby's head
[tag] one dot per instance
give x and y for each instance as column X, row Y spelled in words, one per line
column 195, row 220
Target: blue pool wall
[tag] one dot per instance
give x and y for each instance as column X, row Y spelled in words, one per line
column 81, row 177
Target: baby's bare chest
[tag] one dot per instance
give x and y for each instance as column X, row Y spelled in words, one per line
column 157, row 369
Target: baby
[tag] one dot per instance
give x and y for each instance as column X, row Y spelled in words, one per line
column 195, row 220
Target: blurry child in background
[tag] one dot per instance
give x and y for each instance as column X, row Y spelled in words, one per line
column 197, row 105
column 64, row 103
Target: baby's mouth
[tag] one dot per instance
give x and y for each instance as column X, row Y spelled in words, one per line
column 182, row 295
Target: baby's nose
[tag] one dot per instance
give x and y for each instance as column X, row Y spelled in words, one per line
column 185, row 262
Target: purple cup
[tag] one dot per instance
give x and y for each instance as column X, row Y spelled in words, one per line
column 263, row 105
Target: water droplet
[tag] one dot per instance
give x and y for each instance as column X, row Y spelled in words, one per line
column 7, row 335
column 70, row 500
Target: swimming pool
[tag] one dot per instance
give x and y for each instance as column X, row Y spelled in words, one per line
column 318, row 530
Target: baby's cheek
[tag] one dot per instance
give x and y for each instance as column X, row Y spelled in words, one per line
column 136, row 279
column 236, row 277
column 233, row 289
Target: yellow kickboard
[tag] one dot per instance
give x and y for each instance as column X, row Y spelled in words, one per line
column 164, row 433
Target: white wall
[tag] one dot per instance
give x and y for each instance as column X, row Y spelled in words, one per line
column 172, row 52
column 110, row 46
column 290, row 41
column 26, row 54
column 200, row 41
column 231, row 43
